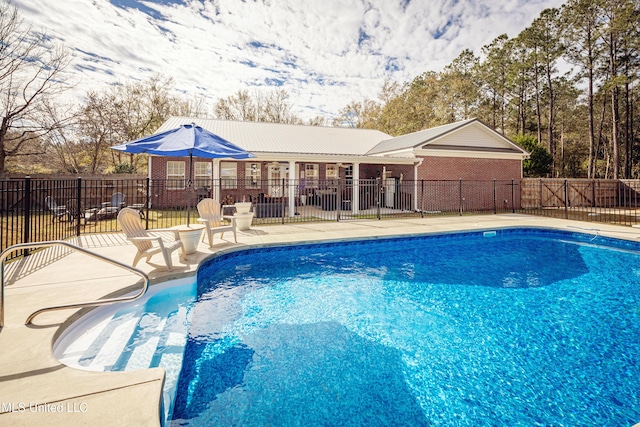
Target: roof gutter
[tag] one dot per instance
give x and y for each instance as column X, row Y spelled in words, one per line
column 331, row 158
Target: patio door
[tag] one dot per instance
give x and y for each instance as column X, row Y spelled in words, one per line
column 276, row 173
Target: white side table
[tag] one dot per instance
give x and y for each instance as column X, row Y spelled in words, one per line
column 190, row 236
column 243, row 216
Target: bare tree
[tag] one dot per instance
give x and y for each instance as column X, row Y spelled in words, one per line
column 278, row 110
column 318, row 121
column 122, row 113
column 98, row 127
column 241, row 107
column 190, row 107
column 141, row 107
column 358, row 115
column 32, row 74
column 257, row 107
column 350, row 115
column 63, row 151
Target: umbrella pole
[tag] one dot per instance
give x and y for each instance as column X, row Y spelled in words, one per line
column 189, row 188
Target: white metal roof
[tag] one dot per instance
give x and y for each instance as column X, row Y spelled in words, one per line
column 270, row 140
column 467, row 135
column 259, row 137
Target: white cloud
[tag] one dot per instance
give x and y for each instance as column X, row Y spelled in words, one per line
column 324, row 53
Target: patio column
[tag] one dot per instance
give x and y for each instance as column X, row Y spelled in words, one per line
column 416, row 193
column 355, row 195
column 215, row 187
column 292, row 188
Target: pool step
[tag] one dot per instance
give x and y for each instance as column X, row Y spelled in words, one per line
column 127, row 342
column 81, row 346
column 137, row 335
column 109, row 352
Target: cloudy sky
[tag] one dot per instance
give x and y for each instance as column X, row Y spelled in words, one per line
column 324, row 53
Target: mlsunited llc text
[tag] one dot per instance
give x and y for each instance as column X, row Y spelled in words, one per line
column 66, row 407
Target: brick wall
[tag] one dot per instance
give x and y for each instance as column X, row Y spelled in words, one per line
column 471, row 194
column 446, row 168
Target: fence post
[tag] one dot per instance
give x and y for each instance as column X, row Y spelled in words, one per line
column 378, row 196
column 513, row 196
column 620, row 197
column 283, row 201
column 635, row 198
column 566, row 199
column 460, row 201
column 495, row 198
column 27, row 213
column 541, row 204
column 422, row 198
column 146, row 203
column 339, row 200
column 78, row 212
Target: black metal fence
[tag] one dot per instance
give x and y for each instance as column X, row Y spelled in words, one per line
column 34, row 210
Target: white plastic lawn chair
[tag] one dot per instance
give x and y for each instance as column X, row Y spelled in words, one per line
column 211, row 217
column 147, row 244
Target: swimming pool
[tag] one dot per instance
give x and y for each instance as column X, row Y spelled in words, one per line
column 505, row 327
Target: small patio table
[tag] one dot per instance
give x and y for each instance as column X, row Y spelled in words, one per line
column 189, row 236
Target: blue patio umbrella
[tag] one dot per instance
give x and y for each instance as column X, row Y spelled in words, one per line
column 186, row 140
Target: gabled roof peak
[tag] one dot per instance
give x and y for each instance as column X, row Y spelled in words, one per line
column 428, row 137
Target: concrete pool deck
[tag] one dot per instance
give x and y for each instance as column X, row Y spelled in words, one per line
column 36, row 389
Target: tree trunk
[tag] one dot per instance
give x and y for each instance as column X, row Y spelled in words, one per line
column 562, row 162
column 523, row 107
column 614, row 133
column 627, row 140
column 631, row 132
column 4, row 128
column 552, row 144
column 614, row 110
column 538, row 112
column 502, row 103
column 600, row 132
column 592, row 143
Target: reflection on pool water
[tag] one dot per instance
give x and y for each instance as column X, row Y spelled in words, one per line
column 518, row 327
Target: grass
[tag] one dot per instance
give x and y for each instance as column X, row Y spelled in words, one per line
column 43, row 228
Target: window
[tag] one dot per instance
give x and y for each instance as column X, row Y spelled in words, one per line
column 311, row 174
column 202, row 175
column 348, row 175
column 175, row 175
column 228, row 175
column 252, row 175
column 348, row 172
column 332, row 172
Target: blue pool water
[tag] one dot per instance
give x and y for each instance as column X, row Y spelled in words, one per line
column 518, row 327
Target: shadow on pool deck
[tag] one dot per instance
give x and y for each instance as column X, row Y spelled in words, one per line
column 36, row 389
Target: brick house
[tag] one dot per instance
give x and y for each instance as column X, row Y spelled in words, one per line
column 299, row 162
